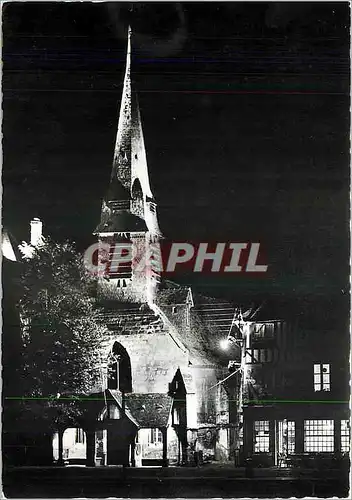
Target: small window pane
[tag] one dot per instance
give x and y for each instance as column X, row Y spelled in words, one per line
column 319, row 436
column 261, row 436
column 290, row 437
column 345, row 436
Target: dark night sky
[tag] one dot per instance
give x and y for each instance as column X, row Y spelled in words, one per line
column 246, row 122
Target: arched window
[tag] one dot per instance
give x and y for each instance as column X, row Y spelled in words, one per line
column 119, row 369
column 137, row 198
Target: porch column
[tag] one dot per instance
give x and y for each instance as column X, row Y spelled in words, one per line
column 164, row 433
column 273, row 440
column 337, row 435
column 90, row 435
column 61, row 447
column 133, row 457
column 299, row 439
column 184, row 445
column 247, row 437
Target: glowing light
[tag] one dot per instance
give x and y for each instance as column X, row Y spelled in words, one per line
column 224, row 344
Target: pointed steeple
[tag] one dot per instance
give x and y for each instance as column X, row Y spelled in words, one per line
column 129, row 214
column 122, row 153
column 129, row 204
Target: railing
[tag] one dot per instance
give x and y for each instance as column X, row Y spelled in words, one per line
column 119, row 205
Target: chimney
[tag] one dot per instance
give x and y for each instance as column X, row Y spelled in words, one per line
column 36, row 231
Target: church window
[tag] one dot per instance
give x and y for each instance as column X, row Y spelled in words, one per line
column 176, row 416
column 137, row 198
column 119, row 369
column 113, row 412
column 187, row 316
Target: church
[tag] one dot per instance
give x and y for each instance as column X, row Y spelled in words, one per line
column 161, row 397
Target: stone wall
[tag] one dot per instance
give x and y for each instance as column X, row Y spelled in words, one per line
column 157, row 342
column 154, row 360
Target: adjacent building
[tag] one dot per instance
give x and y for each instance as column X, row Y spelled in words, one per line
column 295, row 385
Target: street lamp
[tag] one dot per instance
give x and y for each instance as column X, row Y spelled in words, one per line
column 224, row 344
column 239, row 336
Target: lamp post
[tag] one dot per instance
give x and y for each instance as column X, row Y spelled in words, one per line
column 239, row 336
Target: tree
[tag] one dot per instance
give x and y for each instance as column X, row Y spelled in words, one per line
column 61, row 335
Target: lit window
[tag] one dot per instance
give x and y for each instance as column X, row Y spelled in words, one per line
column 263, row 330
column 259, row 356
column 321, row 377
column 318, row 435
column 290, row 437
column 345, row 436
column 187, row 316
column 176, row 416
column 114, row 412
column 261, row 436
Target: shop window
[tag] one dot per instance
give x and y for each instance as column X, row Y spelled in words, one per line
column 318, row 435
column 321, row 377
column 261, row 436
column 290, row 437
column 345, row 436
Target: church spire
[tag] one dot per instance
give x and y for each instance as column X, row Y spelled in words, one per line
column 129, row 214
column 129, row 189
column 122, row 152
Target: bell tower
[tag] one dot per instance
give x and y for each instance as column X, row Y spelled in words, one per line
column 128, row 223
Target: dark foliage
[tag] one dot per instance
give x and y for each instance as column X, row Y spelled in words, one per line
column 61, row 334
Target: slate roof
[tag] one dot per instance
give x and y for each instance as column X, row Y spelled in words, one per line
column 122, row 222
column 172, row 293
column 143, row 409
column 117, row 191
column 210, row 323
column 149, row 410
column 131, row 320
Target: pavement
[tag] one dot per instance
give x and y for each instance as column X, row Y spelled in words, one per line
column 171, row 482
